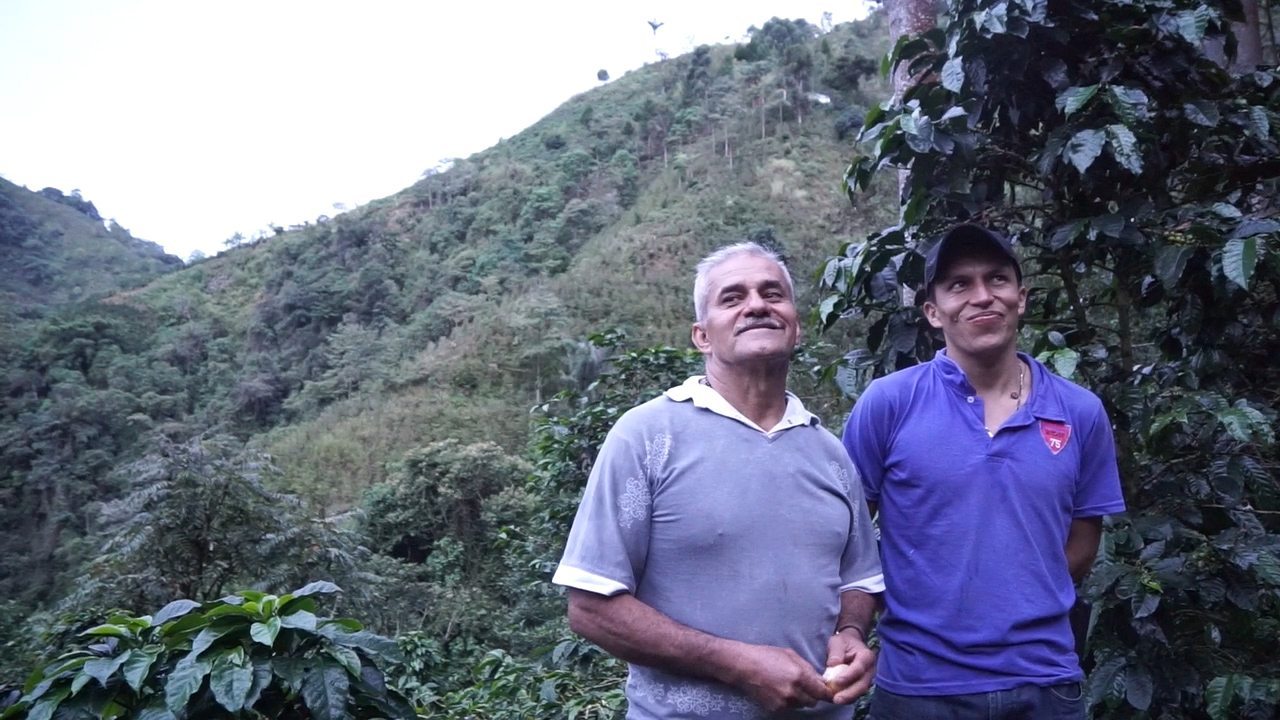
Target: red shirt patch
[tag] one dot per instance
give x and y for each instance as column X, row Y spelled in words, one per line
column 1055, row 435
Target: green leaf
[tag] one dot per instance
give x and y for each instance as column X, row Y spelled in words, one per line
column 1218, row 695
column 1239, row 424
column 294, row 605
column 993, row 19
column 1129, row 103
column 184, row 625
column 108, row 630
column 828, row 311
column 1192, row 24
column 953, row 74
column 265, row 633
column 1261, row 426
column 185, row 680
column 261, row 679
column 231, row 679
column 1202, row 112
column 155, row 711
column 1240, row 259
column 173, row 610
column 1064, row 361
column 101, row 669
column 1255, row 226
column 345, row 657
column 301, row 620
column 1225, row 210
column 1268, row 568
column 371, row 644
column 1124, row 148
column 138, row 666
column 44, row 709
column 325, row 690
column 1145, row 604
column 348, row 624
column 228, row 611
column 1259, row 126
column 1074, row 98
column 318, row 587
column 1085, row 147
column 81, row 679
column 1100, row 681
column 290, row 669
column 209, row 636
column 1138, row 687
column 1171, row 262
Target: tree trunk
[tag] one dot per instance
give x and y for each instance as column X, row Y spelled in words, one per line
column 908, row 17
column 1248, row 39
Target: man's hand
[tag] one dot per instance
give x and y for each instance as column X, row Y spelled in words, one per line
column 778, row 678
column 854, row 680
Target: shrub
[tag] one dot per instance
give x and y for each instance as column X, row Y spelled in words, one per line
column 245, row 655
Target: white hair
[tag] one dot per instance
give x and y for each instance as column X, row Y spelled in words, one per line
column 709, row 263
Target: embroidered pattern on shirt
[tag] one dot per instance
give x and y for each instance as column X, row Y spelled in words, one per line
column 693, row 698
column 633, row 504
column 842, row 475
column 656, row 452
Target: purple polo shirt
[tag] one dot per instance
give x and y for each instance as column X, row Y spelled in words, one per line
column 974, row 527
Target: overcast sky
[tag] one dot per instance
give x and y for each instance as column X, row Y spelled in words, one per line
column 188, row 122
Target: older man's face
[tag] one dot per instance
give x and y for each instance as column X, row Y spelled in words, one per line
column 750, row 317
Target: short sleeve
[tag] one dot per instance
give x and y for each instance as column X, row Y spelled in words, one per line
column 860, row 565
column 865, row 438
column 1098, row 490
column 609, row 540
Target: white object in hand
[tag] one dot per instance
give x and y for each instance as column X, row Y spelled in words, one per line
column 831, row 673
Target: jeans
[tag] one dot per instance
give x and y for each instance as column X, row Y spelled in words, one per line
column 1028, row 702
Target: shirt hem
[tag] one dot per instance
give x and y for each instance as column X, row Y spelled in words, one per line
column 970, row 688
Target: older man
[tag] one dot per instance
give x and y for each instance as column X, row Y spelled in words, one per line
column 722, row 547
column 991, row 476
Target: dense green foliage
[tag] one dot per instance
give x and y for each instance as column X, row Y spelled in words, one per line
column 1140, row 180
column 248, row 655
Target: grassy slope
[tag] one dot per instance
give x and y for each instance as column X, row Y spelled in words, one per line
column 635, row 274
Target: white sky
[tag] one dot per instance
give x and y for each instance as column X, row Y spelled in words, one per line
column 189, row 122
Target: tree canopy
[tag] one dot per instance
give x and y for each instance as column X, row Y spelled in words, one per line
column 1139, row 179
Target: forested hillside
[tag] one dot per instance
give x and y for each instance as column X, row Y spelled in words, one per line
column 56, row 249
column 351, row 400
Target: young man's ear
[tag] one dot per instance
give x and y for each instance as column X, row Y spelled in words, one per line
column 930, row 311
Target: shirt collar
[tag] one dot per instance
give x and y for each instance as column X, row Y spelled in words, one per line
column 1043, row 403
column 704, row 396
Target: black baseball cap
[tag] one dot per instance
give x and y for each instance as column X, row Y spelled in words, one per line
column 961, row 237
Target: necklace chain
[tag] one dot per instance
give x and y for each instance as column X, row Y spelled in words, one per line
column 1017, row 394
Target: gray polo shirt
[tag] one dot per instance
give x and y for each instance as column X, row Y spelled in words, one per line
column 736, row 531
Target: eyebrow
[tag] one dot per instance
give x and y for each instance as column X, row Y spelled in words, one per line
column 742, row 287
